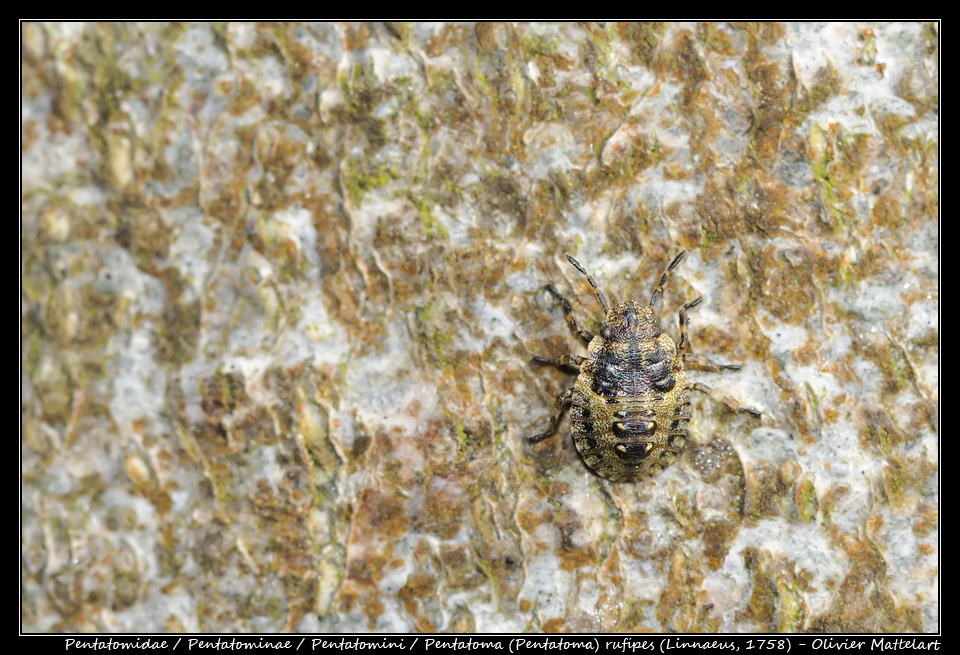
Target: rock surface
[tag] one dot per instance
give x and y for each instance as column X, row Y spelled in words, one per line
column 282, row 285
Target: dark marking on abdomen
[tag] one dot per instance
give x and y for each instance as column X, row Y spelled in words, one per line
column 633, row 453
column 584, row 427
column 578, row 413
column 586, row 444
column 634, row 430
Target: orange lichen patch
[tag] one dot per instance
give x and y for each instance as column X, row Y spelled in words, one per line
column 689, row 65
column 765, row 493
column 331, row 228
column 282, row 532
column 807, row 354
column 573, row 555
column 29, row 134
column 379, row 513
column 253, row 428
column 342, row 295
column 643, row 39
column 415, row 596
column 450, row 38
column 629, row 150
column 716, row 39
column 547, row 204
column 888, row 211
column 708, row 338
column 637, row 541
column 553, row 626
column 490, row 36
column 771, row 95
column 740, row 200
column 461, row 571
column 280, row 150
column 242, row 97
column 863, row 602
column 366, row 569
column 833, row 497
column 458, row 398
column 532, row 512
column 905, row 477
column 373, row 608
column 899, row 374
column 356, row 36
column 877, row 428
column 717, row 537
column 677, row 608
column 853, row 152
column 787, row 289
column 774, row 600
column 479, row 273
column 461, row 621
column 162, row 501
column 443, row 511
column 630, row 227
column 927, row 517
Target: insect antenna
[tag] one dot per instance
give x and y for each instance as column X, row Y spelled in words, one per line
column 663, row 278
column 603, row 301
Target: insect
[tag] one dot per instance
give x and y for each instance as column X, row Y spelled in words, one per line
column 630, row 406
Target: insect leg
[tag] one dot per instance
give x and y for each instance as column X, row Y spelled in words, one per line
column 562, row 360
column 683, row 323
column 563, row 399
column 582, row 334
column 727, row 402
column 663, row 278
column 600, row 297
column 701, row 363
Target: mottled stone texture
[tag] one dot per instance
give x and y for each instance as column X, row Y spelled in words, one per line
column 282, row 284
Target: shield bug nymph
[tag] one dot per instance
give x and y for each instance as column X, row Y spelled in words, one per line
column 630, row 406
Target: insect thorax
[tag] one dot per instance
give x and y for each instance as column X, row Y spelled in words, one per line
column 631, row 357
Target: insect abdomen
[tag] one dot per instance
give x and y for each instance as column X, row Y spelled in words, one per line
column 626, row 439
